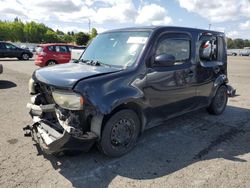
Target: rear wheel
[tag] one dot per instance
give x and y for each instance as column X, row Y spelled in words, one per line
column 120, row 133
column 219, row 101
column 51, row 62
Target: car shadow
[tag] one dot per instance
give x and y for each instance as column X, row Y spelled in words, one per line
column 163, row 150
column 14, row 59
column 5, row 84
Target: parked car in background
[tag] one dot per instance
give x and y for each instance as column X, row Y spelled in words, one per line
column 51, row 54
column 10, row 50
column 77, row 51
column 233, row 52
column 126, row 81
column 1, row 68
column 32, row 48
column 245, row 52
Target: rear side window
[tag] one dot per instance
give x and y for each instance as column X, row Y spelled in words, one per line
column 62, row 49
column 221, row 48
column 179, row 48
column 208, row 50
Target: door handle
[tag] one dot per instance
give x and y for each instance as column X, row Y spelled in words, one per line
column 217, row 69
column 191, row 74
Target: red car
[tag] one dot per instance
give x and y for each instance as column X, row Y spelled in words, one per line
column 51, row 54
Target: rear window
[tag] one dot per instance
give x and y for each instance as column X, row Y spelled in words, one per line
column 39, row 49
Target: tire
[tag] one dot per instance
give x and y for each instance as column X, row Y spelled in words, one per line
column 25, row 56
column 51, row 62
column 219, row 102
column 72, row 152
column 120, row 133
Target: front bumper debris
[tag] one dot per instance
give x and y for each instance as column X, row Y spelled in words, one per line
column 52, row 135
column 52, row 140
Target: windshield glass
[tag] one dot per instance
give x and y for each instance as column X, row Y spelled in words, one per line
column 117, row 48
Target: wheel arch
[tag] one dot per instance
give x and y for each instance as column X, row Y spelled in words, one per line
column 98, row 122
column 219, row 81
column 51, row 60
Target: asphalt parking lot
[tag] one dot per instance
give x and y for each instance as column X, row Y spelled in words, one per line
column 194, row 150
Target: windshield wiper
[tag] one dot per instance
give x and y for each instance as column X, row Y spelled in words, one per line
column 93, row 62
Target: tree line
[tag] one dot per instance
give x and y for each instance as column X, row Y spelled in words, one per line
column 33, row 32
column 237, row 43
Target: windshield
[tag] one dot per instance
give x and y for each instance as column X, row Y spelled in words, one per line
column 117, row 48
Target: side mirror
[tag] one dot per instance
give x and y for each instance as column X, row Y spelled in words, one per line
column 164, row 60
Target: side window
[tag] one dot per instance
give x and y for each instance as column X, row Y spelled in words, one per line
column 1, row 46
column 177, row 47
column 9, row 46
column 208, row 50
column 62, row 49
column 221, row 49
column 51, row 48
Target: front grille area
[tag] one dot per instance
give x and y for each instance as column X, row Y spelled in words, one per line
column 76, row 119
column 46, row 91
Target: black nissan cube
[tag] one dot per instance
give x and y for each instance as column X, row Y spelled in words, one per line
column 126, row 81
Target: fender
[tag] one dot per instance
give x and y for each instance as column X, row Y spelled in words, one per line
column 220, row 80
column 105, row 93
column 97, row 120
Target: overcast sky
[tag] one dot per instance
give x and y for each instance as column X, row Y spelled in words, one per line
column 230, row 16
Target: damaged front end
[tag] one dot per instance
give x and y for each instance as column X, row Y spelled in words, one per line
column 60, row 121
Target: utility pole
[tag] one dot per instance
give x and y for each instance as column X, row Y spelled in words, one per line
column 209, row 26
column 89, row 24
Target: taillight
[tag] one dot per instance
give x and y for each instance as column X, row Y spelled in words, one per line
column 42, row 54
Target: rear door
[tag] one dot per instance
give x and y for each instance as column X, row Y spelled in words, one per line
column 171, row 90
column 212, row 63
column 62, row 53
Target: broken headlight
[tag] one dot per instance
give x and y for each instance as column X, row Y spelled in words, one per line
column 32, row 86
column 68, row 100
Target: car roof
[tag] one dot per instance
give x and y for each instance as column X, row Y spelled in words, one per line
column 172, row 28
column 6, row 42
column 55, row 44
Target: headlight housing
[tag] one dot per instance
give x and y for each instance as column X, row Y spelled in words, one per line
column 31, row 86
column 68, row 100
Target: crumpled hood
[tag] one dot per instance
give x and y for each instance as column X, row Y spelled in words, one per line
column 66, row 75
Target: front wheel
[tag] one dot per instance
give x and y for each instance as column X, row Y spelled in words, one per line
column 25, row 56
column 120, row 133
column 219, row 102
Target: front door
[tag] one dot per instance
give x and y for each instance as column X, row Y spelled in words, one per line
column 171, row 89
column 11, row 50
column 2, row 50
